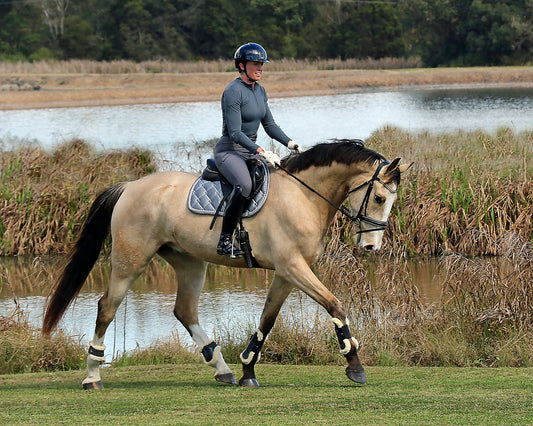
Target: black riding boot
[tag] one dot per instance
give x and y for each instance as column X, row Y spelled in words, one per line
column 225, row 245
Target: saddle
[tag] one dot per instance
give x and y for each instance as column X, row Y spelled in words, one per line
column 211, row 192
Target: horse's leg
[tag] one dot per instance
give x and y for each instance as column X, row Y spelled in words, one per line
column 130, row 253
column 107, row 308
column 301, row 276
column 278, row 292
column 190, row 273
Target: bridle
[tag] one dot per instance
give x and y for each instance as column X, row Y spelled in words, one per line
column 360, row 217
column 379, row 225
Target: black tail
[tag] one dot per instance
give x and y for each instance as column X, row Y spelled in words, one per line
column 83, row 256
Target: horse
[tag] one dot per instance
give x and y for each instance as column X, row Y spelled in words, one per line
column 149, row 216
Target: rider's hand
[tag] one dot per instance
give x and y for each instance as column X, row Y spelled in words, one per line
column 271, row 158
column 293, row 146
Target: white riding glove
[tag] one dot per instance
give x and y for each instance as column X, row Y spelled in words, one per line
column 271, row 158
column 293, row 146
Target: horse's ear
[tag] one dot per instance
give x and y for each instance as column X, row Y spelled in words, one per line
column 395, row 165
column 392, row 166
column 404, row 167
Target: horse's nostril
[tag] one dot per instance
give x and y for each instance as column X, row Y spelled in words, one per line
column 369, row 247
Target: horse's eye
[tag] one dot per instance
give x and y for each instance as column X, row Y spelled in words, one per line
column 379, row 199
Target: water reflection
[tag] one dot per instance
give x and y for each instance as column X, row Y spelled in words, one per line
column 307, row 119
column 230, row 304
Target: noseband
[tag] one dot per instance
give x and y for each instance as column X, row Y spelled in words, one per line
column 361, row 216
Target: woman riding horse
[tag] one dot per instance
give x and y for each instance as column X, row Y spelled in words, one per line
column 244, row 106
column 150, row 216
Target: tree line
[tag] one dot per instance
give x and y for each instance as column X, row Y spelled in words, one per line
column 444, row 32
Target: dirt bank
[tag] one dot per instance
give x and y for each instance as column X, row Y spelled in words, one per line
column 27, row 91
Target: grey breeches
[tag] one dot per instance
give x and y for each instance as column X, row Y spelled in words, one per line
column 235, row 170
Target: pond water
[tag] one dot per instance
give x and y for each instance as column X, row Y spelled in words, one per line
column 231, row 304
column 307, row 120
column 146, row 314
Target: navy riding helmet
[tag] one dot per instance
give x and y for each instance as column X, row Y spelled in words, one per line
column 250, row 52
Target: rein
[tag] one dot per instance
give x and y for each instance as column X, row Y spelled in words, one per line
column 361, row 216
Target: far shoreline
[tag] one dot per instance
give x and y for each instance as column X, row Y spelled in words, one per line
column 92, row 90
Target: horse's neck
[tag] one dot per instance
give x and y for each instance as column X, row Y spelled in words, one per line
column 332, row 183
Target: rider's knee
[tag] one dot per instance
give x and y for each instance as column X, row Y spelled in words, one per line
column 246, row 189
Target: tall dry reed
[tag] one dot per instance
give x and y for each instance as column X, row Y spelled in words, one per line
column 44, row 197
column 23, row 349
column 79, row 66
column 466, row 191
column 469, row 193
column 483, row 318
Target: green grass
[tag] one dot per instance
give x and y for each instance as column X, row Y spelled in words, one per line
column 188, row 394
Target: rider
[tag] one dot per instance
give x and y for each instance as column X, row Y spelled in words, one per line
column 244, row 106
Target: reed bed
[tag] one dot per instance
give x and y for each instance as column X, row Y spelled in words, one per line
column 44, row 197
column 466, row 191
column 483, row 318
column 469, row 194
column 23, row 350
column 164, row 351
column 77, row 66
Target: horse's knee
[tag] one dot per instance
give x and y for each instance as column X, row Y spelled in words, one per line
column 336, row 310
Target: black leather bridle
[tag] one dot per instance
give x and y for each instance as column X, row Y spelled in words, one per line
column 360, row 217
column 379, row 225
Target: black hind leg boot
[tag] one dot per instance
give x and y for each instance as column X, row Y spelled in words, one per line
column 225, row 245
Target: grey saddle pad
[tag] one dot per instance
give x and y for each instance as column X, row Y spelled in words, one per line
column 205, row 196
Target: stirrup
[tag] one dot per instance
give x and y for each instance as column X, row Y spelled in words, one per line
column 226, row 247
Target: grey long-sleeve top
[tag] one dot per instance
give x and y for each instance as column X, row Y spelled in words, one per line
column 243, row 108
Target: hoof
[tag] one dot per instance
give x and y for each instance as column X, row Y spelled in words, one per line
column 356, row 376
column 249, row 383
column 226, row 378
column 93, row 385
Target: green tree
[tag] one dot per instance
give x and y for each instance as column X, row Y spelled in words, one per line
column 431, row 29
column 136, row 40
column 466, row 32
column 166, row 29
column 489, row 33
column 523, row 27
column 370, row 30
column 360, row 30
column 79, row 40
column 218, row 28
column 22, row 30
column 278, row 25
column 147, row 29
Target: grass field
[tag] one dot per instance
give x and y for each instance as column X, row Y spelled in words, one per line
column 188, row 394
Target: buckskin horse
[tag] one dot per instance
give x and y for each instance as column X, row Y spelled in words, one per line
column 149, row 216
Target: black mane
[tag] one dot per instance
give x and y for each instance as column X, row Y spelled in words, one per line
column 344, row 151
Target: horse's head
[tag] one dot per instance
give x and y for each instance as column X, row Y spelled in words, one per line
column 373, row 202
